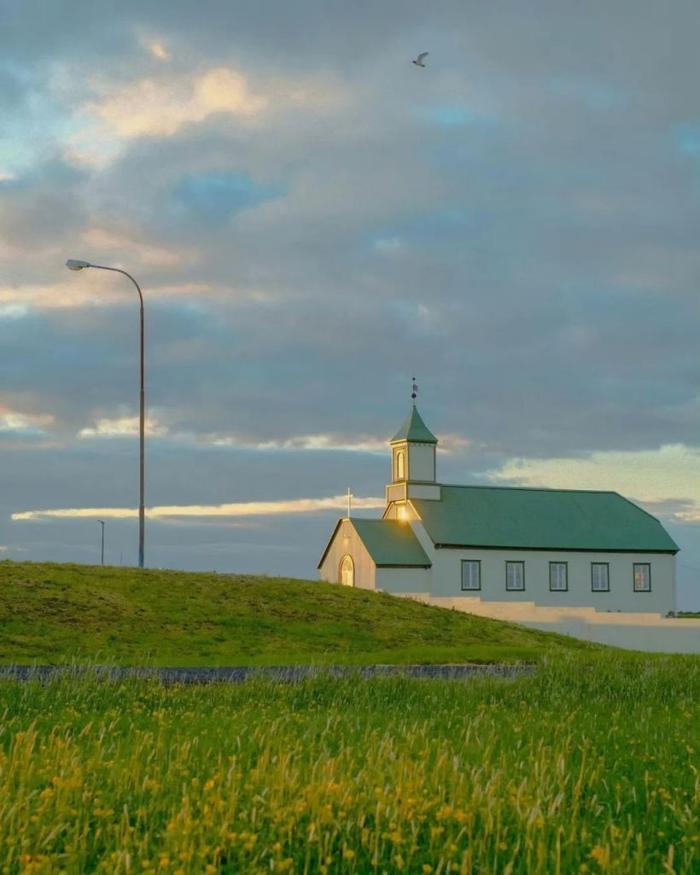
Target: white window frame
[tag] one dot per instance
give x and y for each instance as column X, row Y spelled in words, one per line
column 635, row 566
column 553, row 583
column 594, row 587
column 472, row 564
column 509, row 586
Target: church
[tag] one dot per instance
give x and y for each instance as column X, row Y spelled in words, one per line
column 547, row 547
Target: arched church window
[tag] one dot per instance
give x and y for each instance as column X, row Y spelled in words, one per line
column 400, row 465
column 347, row 571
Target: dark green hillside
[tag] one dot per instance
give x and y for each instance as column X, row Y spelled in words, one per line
column 59, row 613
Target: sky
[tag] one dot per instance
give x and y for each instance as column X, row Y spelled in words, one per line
column 314, row 220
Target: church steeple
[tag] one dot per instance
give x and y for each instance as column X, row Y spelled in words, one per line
column 413, row 448
column 413, row 463
column 413, row 451
column 414, row 429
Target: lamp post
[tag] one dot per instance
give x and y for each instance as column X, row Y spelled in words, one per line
column 77, row 264
column 102, row 542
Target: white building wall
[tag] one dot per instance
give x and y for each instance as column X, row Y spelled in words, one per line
column 346, row 541
column 403, row 581
column 431, row 491
column 421, row 462
column 447, row 568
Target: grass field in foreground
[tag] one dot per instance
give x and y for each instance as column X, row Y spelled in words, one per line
column 61, row 613
column 586, row 767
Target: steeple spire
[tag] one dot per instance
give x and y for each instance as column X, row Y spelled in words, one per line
column 414, row 430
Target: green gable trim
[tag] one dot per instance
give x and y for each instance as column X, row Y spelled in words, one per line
column 414, row 429
column 507, row 518
column 391, row 543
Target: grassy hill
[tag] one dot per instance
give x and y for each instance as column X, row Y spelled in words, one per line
column 58, row 613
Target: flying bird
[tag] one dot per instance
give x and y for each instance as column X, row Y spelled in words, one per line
column 419, row 61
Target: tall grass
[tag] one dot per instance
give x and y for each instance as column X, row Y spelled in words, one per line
column 58, row 613
column 585, row 767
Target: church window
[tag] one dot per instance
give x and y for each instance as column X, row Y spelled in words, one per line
column 558, row 576
column 642, row 577
column 400, row 465
column 471, row 574
column 600, row 577
column 347, row 571
column 515, row 576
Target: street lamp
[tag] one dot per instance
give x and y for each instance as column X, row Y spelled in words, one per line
column 78, row 264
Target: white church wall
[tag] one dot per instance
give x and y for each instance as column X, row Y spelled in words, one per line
column 421, row 462
column 347, row 541
column 447, row 573
column 395, row 492
column 403, row 581
column 620, row 597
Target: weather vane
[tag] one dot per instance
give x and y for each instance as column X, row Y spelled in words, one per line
column 414, row 390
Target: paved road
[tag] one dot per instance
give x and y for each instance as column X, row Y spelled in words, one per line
column 282, row 673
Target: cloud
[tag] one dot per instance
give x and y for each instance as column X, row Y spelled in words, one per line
column 17, row 302
column 125, row 242
column 13, row 311
column 153, row 107
column 453, row 443
column 158, row 50
column 314, row 442
column 667, row 478
column 123, row 426
column 237, row 509
column 127, row 426
column 64, row 294
column 24, row 423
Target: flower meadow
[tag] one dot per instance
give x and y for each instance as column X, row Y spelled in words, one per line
column 584, row 767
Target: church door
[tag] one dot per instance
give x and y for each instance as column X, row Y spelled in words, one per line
column 347, row 571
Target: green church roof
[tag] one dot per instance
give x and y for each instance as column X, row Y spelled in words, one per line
column 541, row 519
column 414, row 429
column 388, row 542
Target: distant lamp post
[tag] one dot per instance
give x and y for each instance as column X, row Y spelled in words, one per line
column 78, row 264
column 102, row 542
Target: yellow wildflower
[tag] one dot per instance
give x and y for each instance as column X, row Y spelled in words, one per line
column 601, row 856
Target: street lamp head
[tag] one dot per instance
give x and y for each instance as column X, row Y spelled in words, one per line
column 77, row 264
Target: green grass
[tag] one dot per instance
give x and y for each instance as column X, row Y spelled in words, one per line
column 589, row 766
column 63, row 613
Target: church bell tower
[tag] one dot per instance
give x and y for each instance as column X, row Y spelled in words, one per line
column 413, row 462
